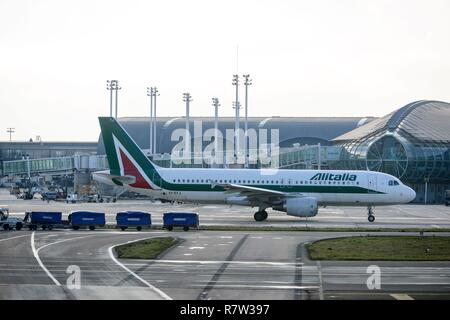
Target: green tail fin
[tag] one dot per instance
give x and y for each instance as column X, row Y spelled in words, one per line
column 124, row 155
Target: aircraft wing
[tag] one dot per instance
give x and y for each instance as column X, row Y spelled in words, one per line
column 254, row 194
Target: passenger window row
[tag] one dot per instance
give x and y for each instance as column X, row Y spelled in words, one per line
column 268, row 182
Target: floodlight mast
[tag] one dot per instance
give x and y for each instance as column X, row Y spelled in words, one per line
column 10, row 131
column 235, row 82
column 113, row 85
column 155, row 94
column 248, row 82
column 215, row 103
column 187, row 98
column 150, row 94
column 109, row 86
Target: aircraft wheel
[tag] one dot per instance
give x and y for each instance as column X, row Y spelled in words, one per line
column 371, row 218
column 260, row 215
column 265, row 215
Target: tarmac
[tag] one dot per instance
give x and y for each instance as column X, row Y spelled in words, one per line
column 262, row 265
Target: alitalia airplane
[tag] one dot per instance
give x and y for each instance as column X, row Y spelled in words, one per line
column 297, row 192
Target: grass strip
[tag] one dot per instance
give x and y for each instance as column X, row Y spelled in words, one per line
column 382, row 248
column 145, row 249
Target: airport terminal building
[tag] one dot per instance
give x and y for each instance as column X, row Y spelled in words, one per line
column 411, row 143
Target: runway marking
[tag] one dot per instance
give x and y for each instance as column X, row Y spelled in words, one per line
column 204, row 294
column 261, row 287
column 401, row 296
column 390, row 218
column 36, row 256
column 26, row 235
column 319, row 268
column 111, row 254
column 196, row 248
column 50, row 244
column 253, row 263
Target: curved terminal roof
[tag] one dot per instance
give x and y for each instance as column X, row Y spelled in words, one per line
column 303, row 130
column 425, row 120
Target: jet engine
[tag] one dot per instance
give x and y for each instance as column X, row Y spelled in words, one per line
column 299, row 207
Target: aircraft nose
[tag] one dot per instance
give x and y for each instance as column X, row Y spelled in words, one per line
column 410, row 194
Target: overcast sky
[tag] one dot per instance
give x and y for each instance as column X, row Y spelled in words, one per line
column 306, row 58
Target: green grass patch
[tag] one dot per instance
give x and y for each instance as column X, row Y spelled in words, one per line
column 145, row 249
column 391, row 248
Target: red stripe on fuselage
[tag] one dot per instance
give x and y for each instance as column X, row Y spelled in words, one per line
column 130, row 169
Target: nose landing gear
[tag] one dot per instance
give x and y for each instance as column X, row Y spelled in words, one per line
column 371, row 217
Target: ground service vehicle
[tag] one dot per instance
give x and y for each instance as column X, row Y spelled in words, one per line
column 49, row 195
column 47, row 220
column 88, row 219
column 7, row 222
column 136, row 219
column 180, row 219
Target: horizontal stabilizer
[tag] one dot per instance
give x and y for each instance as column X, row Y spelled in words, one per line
column 119, row 180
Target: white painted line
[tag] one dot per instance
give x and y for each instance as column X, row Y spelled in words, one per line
column 111, row 254
column 319, row 268
column 401, row 296
column 11, row 238
column 36, row 256
column 265, row 287
column 270, row 263
column 196, row 248
column 50, row 244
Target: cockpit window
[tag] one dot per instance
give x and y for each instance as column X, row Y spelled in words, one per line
column 393, row 183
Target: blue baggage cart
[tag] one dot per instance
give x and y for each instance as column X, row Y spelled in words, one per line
column 180, row 219
column 88, row 219
column 138, row 219
column 45, row 219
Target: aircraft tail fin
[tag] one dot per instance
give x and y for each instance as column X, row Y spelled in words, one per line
column 125, row 158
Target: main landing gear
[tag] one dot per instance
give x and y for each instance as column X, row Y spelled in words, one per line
column 371, row 217
column 260, row 215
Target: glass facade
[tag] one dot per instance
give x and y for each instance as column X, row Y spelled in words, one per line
column 412, row 144
column 38, row 165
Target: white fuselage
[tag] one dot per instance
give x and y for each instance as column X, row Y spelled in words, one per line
column 328, row 187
